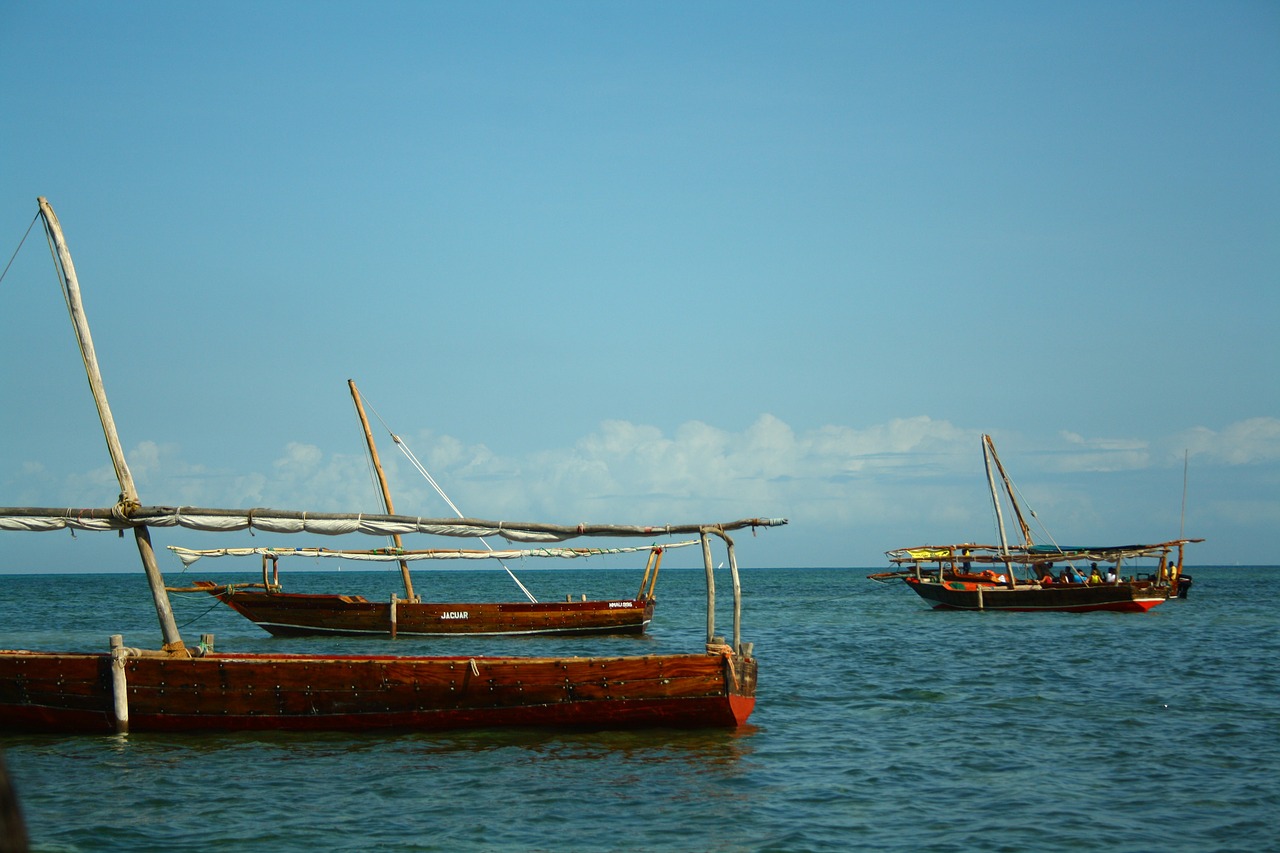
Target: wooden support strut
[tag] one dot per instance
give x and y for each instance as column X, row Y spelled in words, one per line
column 711, row 587
column 737, row 595
column 649, row 582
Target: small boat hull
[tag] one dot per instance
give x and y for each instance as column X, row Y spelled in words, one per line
column 77, row 693
column 1069, row 598
column 287, row 614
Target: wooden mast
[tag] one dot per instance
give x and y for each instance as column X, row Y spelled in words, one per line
column 382, row 481
column 987, row 450
column 129, row 501
column 1008, row 487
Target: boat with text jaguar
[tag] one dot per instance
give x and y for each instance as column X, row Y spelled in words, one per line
column 293, row 614
column 197, row 688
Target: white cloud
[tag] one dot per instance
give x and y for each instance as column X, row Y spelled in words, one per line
column 1251, row 441
column 620, row 462
column 1099, row 454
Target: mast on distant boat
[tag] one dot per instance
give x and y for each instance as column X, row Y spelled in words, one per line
column 413, row 460
column 382, row 482
column 987, row 452
column 129, row 501
column 990, row 455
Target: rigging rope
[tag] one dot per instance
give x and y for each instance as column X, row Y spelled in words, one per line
column 413, row 460
column 1044, row 529
column 19, row 249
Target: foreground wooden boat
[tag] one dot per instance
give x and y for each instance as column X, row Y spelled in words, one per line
column 178, row 688
column 289, row 614
column 182, row 689
column 1027, row 577
column 132, row 690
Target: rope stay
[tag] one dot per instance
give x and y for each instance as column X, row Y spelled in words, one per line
column 421, row 469
column 14, row 256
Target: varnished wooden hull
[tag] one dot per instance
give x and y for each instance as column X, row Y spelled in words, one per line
column 73, row 693
column 1071, row 598
column 300, row 614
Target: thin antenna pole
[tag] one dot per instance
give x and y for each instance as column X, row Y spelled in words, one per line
column 1182, row 522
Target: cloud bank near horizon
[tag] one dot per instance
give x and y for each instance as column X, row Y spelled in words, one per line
column 908, row 478
column 623, row 468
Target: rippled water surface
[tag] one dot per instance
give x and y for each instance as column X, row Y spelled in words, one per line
column 880, row 724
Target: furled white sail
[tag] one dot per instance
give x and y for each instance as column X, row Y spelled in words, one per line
column 335, row 524
column 190, row 555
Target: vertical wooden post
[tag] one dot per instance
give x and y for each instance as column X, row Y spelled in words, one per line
column 119, row 685
column 737, row 596
column 711, row 585
column 393, row 615
column 129, row 500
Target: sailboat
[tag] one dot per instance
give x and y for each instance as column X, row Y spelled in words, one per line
column 287, row 614
column 181, row 688
column 1030, row 577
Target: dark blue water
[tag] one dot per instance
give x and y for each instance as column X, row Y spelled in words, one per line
column 880, row 725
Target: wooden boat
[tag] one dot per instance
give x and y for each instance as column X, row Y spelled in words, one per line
column 134, row 690
column 291, row 614
column 1026, row 577
column 295, row 614
column 302, row 614
column 177, row 688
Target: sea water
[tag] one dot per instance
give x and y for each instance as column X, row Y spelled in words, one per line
column 880, row 725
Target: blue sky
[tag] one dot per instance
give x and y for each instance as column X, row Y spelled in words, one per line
column 654, row 262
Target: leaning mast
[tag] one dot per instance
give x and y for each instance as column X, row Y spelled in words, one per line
column 129, row 501
column 382, row 481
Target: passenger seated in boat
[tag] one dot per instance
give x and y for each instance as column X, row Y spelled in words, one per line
column 1094, row 577
column 1047, row 579
column 1112, row 577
